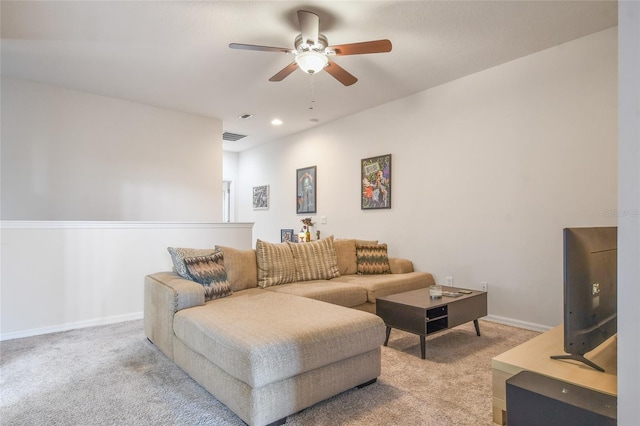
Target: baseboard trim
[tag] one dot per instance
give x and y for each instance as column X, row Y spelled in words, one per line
column 70, row 326
column 517, row 323
column 139, row 315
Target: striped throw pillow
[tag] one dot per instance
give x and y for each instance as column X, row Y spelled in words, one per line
column 315, row 260
column 209, row 271
column 275, row 264
column 372, row 259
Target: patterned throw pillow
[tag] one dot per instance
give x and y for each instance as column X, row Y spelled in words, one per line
column 209, row 271
column 179, row 254
column 315, row 260
column 275, row 264
column 372, row 259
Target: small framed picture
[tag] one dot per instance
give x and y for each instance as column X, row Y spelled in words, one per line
column 261, row 197
column 306, row 190
column 375, row 182
column 286, row 235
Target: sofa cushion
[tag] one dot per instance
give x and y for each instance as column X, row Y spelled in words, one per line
column 346, row 256
column 275, row 264
column 179, row 253
column 400, row 266
column 386, row 284
column 372, row 259
column 260, row 337
column 242, row 271
column 338, row 293
column 209, row 271
column 315, row 260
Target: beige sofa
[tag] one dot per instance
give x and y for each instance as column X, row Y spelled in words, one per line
column 275, row 346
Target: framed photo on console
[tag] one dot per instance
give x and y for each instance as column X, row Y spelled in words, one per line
column 286, row 235
column 306, row 190
column 375, row 182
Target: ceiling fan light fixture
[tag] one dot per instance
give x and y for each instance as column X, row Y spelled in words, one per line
column 311, row 61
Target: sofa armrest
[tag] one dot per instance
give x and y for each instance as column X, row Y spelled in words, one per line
column 165, row 293
column 400, row 266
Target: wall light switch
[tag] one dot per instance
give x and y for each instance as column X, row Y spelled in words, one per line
column 323, row 220
column 449, row 281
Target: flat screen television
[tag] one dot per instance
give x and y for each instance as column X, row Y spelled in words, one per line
column 590, row 290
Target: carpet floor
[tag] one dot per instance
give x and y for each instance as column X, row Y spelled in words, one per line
column 112, row 375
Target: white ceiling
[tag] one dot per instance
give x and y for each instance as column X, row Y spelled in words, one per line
column 175, row 54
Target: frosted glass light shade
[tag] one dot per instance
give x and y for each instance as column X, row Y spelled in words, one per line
column 311, row 62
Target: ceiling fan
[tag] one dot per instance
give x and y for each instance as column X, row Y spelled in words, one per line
column 312, row 51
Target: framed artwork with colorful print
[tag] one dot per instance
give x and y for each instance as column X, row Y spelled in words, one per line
column 375, row 182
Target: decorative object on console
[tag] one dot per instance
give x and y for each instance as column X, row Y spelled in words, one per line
column 261, row 197
column 306, row 190
column 306, row 229
column 286, row 235
column 375, row 180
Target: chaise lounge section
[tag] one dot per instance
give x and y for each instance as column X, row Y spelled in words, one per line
column 269, row 350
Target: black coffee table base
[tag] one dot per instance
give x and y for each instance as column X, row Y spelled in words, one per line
column 423, row 343
column 415, row 312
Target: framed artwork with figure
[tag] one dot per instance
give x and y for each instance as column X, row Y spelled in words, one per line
column 306, row 190
column 375, row 182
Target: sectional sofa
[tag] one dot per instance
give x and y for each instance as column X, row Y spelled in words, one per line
column 270, row 331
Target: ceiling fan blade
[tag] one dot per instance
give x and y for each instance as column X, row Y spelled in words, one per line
column 259, row 48
column 280, row 75
column 376, row 46
column 309, row 26
column 340, row 74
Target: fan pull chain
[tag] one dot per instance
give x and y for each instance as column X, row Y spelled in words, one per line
column 311, row 91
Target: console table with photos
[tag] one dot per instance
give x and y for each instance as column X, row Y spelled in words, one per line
column 416, row 312
column 535, row 355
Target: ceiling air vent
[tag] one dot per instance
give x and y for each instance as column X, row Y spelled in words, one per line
column 232, row 137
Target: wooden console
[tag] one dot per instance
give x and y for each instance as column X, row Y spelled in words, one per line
column 534, row 355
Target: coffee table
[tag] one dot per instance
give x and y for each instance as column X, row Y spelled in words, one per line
column 414, row 311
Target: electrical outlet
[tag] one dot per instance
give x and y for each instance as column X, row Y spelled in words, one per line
column 450, row 281
column 484, row 286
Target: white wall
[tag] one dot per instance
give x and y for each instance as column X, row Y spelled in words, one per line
column 486, row 172
column 69, row 155
column 63, row 275
column 629, row 212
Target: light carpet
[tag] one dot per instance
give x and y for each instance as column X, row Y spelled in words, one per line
column 112, row 375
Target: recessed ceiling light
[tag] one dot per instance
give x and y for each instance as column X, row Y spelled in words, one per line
column 276, row 122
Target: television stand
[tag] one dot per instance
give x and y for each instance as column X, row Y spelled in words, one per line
column 534, row 355
column 580, row 358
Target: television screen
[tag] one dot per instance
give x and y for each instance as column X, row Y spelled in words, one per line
column 590, row 290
